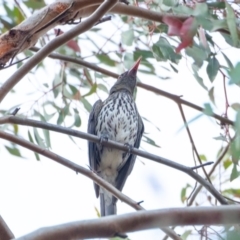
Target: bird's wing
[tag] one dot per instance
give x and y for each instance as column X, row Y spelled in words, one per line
column 93, row 152
column 128, row 166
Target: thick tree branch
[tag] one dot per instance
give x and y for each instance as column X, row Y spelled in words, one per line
column 171, row 96
column 93, row 138
column 98, row 180
column 26, row 34
column 141, row 220
column 73, row 166
column 55, row 43
column 5, row 232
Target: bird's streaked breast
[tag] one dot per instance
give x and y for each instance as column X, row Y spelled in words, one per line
column 119, row 118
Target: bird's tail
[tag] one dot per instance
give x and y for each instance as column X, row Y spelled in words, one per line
column 107, row 207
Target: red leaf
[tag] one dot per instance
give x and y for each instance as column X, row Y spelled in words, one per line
column 71, row 44
column 182, row 45
column 174, row 25
column 185, row 30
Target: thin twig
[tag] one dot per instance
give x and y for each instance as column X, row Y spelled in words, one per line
column 104, row 19
column 109, row 143
column 202, row 165
column 171, row 96
column 192, row 141
column 209, row 174
column 11, row 64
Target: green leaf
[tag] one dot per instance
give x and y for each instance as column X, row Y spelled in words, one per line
column 31, row 140
column 102, row 87
column 232, row 191
column 142, row 53
column 15, row 129
column 198, row 53
column 35, row 4
column 183, row 9
column 211, row 95
column 73, row 89
column 184, row 192
column 170, row 3
column 157, row 53
column 203, row 157
column 227, row 163
column 62, row 114
column 163, row 51
column 235, row 106
column 208, row 109
column 173, row 68
column 92, row 90
column 232, row 234
column 231, row 22
column 38, row 138
column 234, row 173
column 14, row 151
column 127, row 37
column 221, row 138
column 57, row 82
column 86, row 104
column 235, row 148
column 186, row 234
column 47, row 116
column 200, row 9
column 219, row 5
column 190, row 121
column 104, row 58
column 46, row 134
column 212, row 68
column 227, row 37
column 145, row 119
column 77, row 119
column 198, row 78
column 150, row 141
column 234, row 74
column 237, row 124
column 229, row 63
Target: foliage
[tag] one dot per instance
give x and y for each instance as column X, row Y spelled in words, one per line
column 65, row 96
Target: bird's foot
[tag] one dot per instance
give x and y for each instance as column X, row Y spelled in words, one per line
column 103, row 138
column 130, row 148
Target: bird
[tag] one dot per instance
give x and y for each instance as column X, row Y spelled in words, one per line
column 116, row 119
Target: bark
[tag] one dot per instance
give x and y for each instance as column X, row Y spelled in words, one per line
column 27, row 33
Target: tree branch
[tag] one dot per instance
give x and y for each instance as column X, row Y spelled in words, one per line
column 171, row 96
column 98, row 180
column 26, row 34
column 141, row 220
column 55, row 43
column 109, row 143
column 192, row 142
column 5, row 232
column 193, row 197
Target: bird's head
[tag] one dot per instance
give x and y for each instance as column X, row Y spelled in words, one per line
column 127, row 80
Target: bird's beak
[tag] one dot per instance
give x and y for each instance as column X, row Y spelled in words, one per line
column 134, row 68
